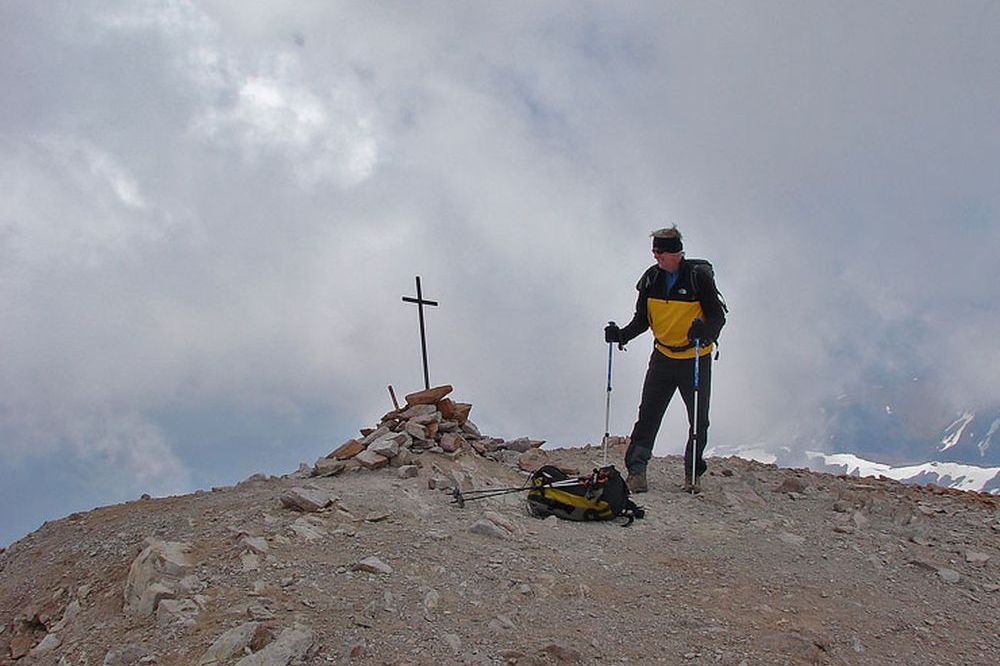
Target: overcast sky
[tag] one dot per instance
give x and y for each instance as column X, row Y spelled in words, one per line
column 210, row 211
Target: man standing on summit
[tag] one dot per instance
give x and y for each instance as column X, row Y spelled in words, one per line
column 678, row 299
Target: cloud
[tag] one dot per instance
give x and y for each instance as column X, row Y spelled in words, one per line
column 72, row 202
column 212, row 210
column 262, row 104
column 130, row 445
column 272, row 116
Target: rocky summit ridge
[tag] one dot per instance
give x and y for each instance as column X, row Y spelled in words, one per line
column 363, row 558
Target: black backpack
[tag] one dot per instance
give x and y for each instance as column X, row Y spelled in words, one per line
column 602, row 495
column 700, row 269
column 703, row 267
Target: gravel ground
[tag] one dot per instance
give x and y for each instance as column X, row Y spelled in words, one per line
column 767, row 566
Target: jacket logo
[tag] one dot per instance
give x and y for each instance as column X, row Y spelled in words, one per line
column 682, row 291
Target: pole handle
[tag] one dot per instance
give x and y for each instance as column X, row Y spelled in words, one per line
column 621, row 346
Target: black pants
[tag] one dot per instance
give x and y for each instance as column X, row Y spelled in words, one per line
column 663, row 377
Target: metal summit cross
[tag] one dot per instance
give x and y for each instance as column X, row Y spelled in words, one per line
column 419, row 300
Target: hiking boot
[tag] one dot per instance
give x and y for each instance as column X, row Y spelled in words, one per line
column 636, row 482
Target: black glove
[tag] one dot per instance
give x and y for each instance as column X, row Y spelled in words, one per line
column 612, row 333
column 698, row 331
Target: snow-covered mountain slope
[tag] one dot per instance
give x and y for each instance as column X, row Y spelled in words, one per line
column 960, row 476
column 950, row 475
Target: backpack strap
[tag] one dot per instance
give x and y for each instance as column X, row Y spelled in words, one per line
column 633, row 512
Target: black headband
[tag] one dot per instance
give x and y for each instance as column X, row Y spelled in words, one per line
column 667, row 244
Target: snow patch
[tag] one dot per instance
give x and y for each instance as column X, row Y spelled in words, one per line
column 953, row 433
column 984, row 443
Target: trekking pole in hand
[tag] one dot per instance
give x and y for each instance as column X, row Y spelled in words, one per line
column 607, row 407
column 694, row 427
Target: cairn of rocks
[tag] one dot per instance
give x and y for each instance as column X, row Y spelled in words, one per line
column 429, row 422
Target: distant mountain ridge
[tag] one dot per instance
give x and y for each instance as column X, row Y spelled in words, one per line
column 959, row 476
column 946, row 474
column 874, row 439
column 905, row 417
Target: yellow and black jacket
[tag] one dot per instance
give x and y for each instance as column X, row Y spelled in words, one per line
column 693, row 295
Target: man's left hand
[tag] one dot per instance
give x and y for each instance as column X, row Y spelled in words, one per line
column 698, row 331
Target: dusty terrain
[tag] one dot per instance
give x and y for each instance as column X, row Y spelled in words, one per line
column 767, row 566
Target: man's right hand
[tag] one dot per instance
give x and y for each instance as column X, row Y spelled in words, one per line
column 612, row 333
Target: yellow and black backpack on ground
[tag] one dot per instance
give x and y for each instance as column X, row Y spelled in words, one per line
column 602, row 495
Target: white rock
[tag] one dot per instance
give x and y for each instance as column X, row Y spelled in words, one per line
column 381, row 431
column 372, row 565
column 293, row 643
column 229, row 644
column 499, row 521
column 388, row 447
column 306, row 499
column 521, row 444
column 255, row 543
column 454, row 641
column 126, row 655
column 308, row 530
column 501, row 623
column 791, row 539
column 440, row 483
column 48, row 644
column 408, row 472
column 176, row 611
column 948, row 575
column 250, row 561
column 427, row 419
column 328, row 467
column 973, row 557
column 402, row 439
column 371, row 460
column 153, row 575
column 488, row 528
column 416, row 430
column 532, row 459
column 190, row 584
column 506, row 457
column 404, row 457
column 417, row 411
column 72, row 610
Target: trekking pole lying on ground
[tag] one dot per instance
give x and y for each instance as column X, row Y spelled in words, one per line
column 694, row 426
column 460, row 498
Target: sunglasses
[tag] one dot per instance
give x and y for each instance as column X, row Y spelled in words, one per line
column 657, row 251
